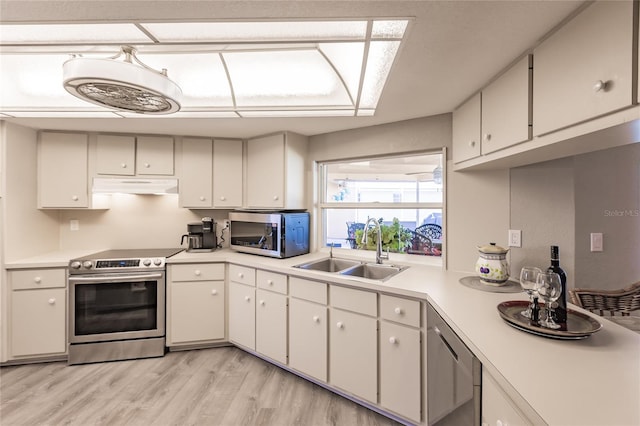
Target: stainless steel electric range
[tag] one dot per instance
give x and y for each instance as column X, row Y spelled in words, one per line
column 117, row 305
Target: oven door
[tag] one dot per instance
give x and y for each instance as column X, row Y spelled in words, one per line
column 116, row 306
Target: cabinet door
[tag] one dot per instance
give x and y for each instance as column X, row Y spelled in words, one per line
column 271, row 325
column 62, row 170
column 506, row 108
column 196, row 182
column 497, row 407
column 242, row 315
column 154, row 155
column 585, row 69
column 308, row 338
column 38, row 319
column 353, row 349
column 266, row 172
column 196, row 311
column 227, row 173
column 466, row 130
column 400, row 372
column 115, row 155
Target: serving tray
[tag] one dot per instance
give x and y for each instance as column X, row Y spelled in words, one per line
column 579, row 326
column 475, row 283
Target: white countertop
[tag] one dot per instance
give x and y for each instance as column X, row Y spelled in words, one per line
column 596, row 381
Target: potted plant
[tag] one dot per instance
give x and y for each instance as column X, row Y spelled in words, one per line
column 395, row 238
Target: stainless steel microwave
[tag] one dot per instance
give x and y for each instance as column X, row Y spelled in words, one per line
column 274, row 234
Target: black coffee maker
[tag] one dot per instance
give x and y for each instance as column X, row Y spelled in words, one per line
column 201, row 236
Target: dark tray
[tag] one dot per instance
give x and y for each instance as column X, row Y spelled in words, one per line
column 579, row 326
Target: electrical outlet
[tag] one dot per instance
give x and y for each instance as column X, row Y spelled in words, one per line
column 74, row 225
column 226, row 224
column 596, row 241
column 515, row 238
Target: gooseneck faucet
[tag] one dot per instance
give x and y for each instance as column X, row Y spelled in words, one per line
column 379, row 255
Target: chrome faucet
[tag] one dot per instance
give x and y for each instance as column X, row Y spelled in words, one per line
column 379, row 255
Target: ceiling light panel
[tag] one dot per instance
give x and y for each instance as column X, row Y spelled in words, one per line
column 292, row 78
column 346, row 58
column 221, row 32
column 380, row 59
column 299, row 113
column 71, row 33
column 389, row 29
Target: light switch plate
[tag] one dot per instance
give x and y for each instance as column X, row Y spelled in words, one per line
column 596, row 242
column 515, row 238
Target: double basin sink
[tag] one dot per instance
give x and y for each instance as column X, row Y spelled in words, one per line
column 353, row 268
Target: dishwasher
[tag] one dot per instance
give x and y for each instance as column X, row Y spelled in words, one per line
column 454, row 376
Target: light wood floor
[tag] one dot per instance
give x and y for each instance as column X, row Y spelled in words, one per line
column 221, row 386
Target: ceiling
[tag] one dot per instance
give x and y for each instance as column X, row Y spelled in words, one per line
column 451, row 50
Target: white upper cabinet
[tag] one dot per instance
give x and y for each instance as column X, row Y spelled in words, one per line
column 116, row 155
column 275, row 171
column 62, row 170
column 466, row 130
column 506, row 108
column 585, row 69
column 197, row 173
column 227, row 173
column 154, row 155
column 122, row 155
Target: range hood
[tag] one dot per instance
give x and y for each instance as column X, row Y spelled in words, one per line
column 135, row 185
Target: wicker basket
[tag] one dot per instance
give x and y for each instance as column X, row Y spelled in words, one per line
column 613, row 301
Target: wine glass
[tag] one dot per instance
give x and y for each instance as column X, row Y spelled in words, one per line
column 549, row 287
column 528, row 282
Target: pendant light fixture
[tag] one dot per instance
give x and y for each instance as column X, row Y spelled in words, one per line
column 122, row 85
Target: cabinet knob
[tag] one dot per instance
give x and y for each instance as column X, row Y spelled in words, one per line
column 262, row 303
column 393, row 340
column 74, row 198
column 316, row 318
column 197, row 272
column 214, row 292
column 472, row 144
column 487, row 137
column 247, row 298
column 52, row 301
column 147, row 165
column 37, row 280
column 398, row 310
column 240, row 275
column 123, row 165
column 339, row 324
column 275, row 198
column 599, row 85
column 223, row 198
column 269, row 282
column 202, row 198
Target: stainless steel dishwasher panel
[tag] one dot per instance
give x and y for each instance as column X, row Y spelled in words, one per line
column 454, row 376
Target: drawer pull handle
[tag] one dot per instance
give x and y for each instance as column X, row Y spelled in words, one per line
column 398, row 311
column 393, row 340
column 214, row 292
column 275, row 198
column 147, row 165
column 197, row 272
column 262, row 303
column 52, row 301
column 202, row 198
column 240, row 275
column 247, row 298
column 340, row 325
column 38, row 280
column 270, row 282
column 316, row 318
column 487, row 137
column 472, row 144
column 600, row 85
column 74, row 198
column 123, row 165
column 223, row 198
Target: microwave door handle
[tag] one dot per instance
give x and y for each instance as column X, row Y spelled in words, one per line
column 113, row 279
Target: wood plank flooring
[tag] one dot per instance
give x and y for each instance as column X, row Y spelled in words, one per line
column 221, row 386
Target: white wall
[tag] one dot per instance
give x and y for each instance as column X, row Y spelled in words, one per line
column 27, row 230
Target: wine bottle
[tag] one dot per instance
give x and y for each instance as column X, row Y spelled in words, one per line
column 561, row 310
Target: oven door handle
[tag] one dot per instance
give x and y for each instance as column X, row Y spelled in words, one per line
column 114, row 278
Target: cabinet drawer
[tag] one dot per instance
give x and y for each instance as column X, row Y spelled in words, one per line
column 312, row 291
column 398, row 309
column 272, row 281
column 37, row 278
column 242, row 274
column 198, row 272
column 349, row 299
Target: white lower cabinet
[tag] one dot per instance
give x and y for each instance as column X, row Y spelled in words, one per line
column 38, row 312
column 196, row 308
column 497, row 408
column 308, row 338
column 271, row 325
column 242, row 306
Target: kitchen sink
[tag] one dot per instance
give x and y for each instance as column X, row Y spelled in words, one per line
column 374, row 271
column 330, row 264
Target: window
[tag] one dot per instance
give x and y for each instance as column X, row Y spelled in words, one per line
column 405, row 194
